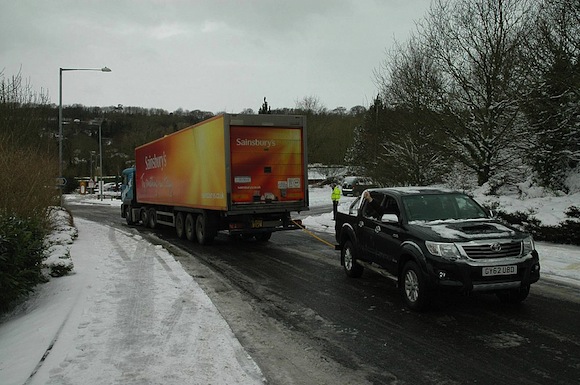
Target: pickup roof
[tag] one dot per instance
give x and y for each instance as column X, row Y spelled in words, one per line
column 426, row 239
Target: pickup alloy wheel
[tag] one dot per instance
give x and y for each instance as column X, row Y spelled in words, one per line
column 351, row 268
column 412, row 287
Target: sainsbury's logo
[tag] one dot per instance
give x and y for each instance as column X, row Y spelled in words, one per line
column 255, row 142
column 155, row 161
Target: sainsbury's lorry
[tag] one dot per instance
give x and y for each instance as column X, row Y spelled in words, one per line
column 243, row 174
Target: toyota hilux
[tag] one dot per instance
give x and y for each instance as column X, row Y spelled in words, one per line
column 431, row 239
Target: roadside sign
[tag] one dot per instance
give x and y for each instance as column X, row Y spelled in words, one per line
column 61, row 182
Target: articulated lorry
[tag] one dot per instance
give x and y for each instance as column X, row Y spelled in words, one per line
column 243, row 174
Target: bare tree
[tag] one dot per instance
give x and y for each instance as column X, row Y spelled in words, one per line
column 476, row 45
column 24, row 113
column 413, row 147
column 310, row 104
column 409, row 77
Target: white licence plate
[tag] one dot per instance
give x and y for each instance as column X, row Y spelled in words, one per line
column 499, row 270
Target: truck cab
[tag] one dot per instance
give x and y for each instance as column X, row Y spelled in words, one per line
column 128, row 194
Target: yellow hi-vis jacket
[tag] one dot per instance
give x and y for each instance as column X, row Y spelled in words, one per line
column 335, row 196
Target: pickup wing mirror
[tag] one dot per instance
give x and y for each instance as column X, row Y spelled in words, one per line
column 390, row 218
column 354, row 207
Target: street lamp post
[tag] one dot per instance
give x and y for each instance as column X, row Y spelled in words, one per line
column 101, row 185
column 104, row 69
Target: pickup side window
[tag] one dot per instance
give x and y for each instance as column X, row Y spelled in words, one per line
column 388, row 205
column 369, row 211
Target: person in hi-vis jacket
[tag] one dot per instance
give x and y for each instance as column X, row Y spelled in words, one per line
column 335, row 196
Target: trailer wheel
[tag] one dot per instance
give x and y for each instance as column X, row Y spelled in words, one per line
column 180, row 225
column 152, row 218
column 203, row 230
column 128, row 216
column 190, row 227
column 144, row 215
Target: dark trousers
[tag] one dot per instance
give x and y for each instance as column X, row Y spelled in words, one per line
column 334, row 209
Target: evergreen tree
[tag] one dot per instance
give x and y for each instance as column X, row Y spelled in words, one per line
column 552, row 107
column 265, row 109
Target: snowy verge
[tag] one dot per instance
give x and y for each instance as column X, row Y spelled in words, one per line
column 58, row 261
column 129, row 314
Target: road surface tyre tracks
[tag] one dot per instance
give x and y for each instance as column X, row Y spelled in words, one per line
column 136, row 312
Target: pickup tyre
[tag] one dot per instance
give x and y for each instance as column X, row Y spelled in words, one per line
column 413, row 287
column 431, row 240
column 351, row 267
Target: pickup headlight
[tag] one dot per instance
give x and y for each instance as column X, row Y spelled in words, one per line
column 528, row 246
column 443, row 250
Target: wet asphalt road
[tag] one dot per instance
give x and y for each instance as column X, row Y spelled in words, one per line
column 304, row 322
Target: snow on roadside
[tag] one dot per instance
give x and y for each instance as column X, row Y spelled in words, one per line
column 58, row 260
column 128, row 314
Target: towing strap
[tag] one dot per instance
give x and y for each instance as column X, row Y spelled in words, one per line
column 312, row 234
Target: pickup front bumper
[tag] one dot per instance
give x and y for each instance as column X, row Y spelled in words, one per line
column 493, row 275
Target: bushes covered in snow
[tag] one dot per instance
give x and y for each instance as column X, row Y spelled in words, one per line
column 551, row 216
column 57, row 244
column 566, row 232
column 21, row 256
column 30, row 253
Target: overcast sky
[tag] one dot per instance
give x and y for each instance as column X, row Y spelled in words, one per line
column 212, row 55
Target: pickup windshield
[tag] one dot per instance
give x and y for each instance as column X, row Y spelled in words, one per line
column 434, row 207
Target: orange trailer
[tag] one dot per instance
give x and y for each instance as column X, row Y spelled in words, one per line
column 241, row 173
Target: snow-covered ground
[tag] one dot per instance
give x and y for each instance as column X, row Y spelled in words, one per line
column 131, row 314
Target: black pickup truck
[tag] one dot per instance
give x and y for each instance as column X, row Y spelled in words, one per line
column 428, row 239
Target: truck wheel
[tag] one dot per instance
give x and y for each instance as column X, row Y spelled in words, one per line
column 190, row 227
column 203, row 230
column 514, row 296
column 413, row 288
column 144, row 215
column 128, row 216
column 152, row 218
column 180, row 225
column 351, row 268
column 263, row 237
